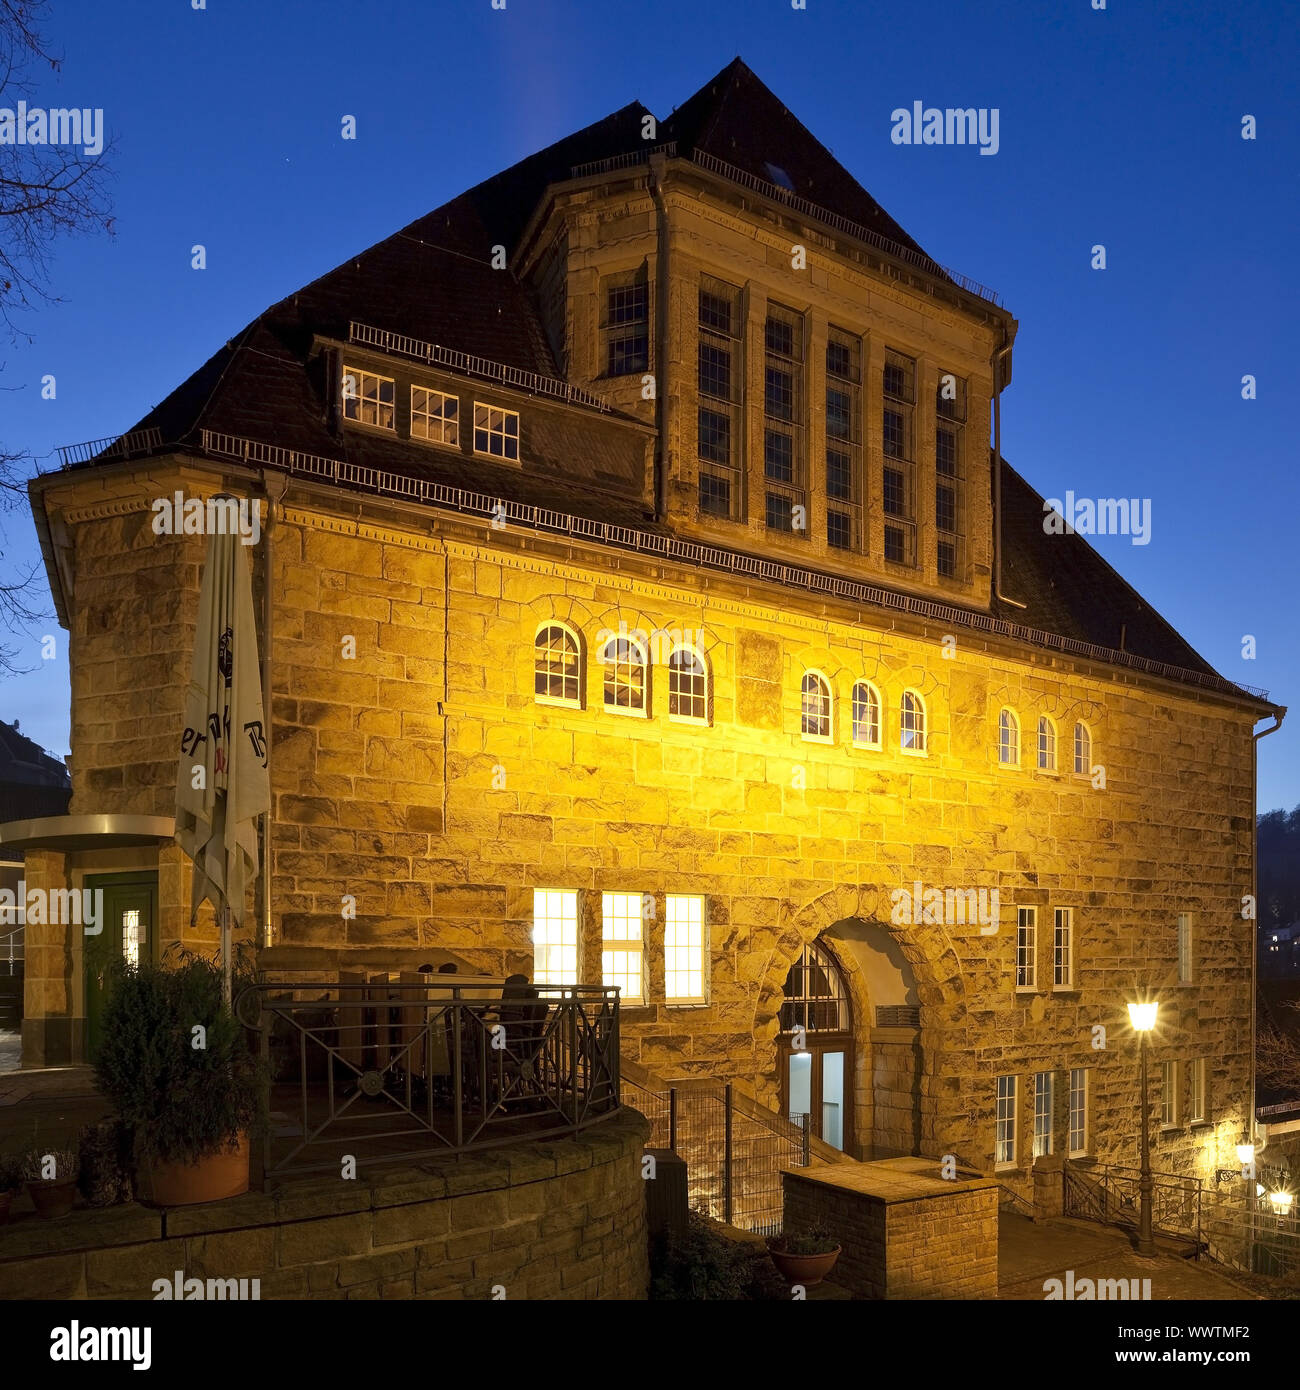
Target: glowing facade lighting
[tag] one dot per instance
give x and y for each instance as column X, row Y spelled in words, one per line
column 1281, row 1202
column 1245, row 1153
column 1143, row 1015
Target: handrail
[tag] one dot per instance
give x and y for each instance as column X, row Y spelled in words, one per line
column 341, row 473
column 112, row 446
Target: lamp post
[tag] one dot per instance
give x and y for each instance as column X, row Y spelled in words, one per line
column 1143, row 1018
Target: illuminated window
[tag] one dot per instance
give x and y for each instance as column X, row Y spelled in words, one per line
column 866, row 715
column 912, row 723
column 1184, row 948
column 1082, row 750
column 1044, row 1100
column 621, row 940
column 783, row 416
column 1168, row 1095
column 815, row 707
column 815, row 997
column 899, row 478
column 1004, row 1152
column 131, row 935
column 688, row 686
column 627, row 677
column 950, row 416
column 1008, row 739
column 367, row 398
column 1200, row 1107
column 1078, row 1141
column 1063, row 948
column 555, row 936
column 626, row 329
column 718, row 375
column 434, row 416
column 686, row 953
column 557, row 666
column 496, row 431
column 1027, row 948
column 1046, row 745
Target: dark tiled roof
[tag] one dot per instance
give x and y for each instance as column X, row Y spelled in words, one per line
column 1071, row 591
column 737, row 119
column 25, row 763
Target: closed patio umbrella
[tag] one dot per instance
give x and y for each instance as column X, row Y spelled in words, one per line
column 222, row 785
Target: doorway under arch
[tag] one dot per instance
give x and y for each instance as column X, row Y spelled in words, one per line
column 815, row 1045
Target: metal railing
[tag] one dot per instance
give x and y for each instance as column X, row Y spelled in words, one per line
column 734, row 1152
column 341, row 473
column 1244, row 1231
column 391, row 1069
column 622, row 161
column 843, row 224
column 11, row 951
column 113, row 447
column 1110, row 1194
column 436, row 355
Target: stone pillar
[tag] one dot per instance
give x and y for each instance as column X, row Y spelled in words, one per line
column 1049, row 1185
column 52, row 1036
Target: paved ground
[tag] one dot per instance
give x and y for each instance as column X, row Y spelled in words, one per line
column 11, row 1050
column 50, row 1104
column 1031, row 1252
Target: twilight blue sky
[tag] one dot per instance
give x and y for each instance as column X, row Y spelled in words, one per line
column 1120, row 126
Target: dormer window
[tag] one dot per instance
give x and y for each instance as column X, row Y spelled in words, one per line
column 434, row 416
column 368, row 399
column 496, row 432
column 626, row 326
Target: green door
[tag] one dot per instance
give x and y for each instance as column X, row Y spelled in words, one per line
column 129, row 920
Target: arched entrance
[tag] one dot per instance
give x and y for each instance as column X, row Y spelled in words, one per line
column 816, row 1045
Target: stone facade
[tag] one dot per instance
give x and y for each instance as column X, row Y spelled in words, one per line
column 563, row 1219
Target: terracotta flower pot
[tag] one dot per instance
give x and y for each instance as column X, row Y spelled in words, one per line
column 803, row 1269
column 53, row 1199
column 214, row 1176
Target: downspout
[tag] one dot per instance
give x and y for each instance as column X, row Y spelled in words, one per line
column 658, row 164
column 996, row 367
column 274, row 486
column 1278, row 715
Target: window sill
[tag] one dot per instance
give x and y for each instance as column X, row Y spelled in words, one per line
column 688, row 719
column 497, row 458
column 1200, row 1124
column 1066, row 989
column 441, row 444
column 625, row 713
column 554, row 702
column 387, row 431
column 1008, row 1168
column 686, row 1003
column 1168, row 1131
column 816, row 738
column 1028, row 989
column 915, row 752
column 866, row 747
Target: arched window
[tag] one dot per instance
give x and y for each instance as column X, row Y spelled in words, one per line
column 1082, row 749
column 815, row 997
column 816, row 707
column 1008, row 738
column 688, row 686
column 866, row 715
column 557, row 666
column 627, row 677
column 912, row 730
column 1046, row 744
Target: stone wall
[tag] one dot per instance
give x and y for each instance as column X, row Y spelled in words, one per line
column 562, row 1219
column 904, row 1234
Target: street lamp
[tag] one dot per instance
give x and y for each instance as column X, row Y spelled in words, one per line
column 1143, row 1018
column 1281, row 1202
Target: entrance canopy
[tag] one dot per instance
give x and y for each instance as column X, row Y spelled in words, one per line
column 100, row 831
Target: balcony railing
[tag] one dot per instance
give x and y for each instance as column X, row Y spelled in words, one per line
column 397, row 1068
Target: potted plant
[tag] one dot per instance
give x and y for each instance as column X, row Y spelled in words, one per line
column 804, row 1256
column 11, row 1182
column 176, row 1065
column 51, row 1175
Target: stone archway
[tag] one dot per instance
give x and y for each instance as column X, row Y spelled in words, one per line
column 903, row 1066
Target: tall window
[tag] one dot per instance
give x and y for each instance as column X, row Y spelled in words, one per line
column 1063, row 949
column 627, row 677
column 912, row 723
column 557, row 666
column 1168, row 1095
column 626, row 325
column 555, row 936
column 688, row 686
column 1200, row 1104
column 1008, row 739
column 783, row 417
column 815, row 707
column 1046, row 745
column 866, row 715
column 1027, row 948
column 686, row 950
column 1044, row 1102
column 496, row 431
column 900, row 470
column 1185, row 948
column 815, row 997
column 949, row 424
column 843, row 442
column 1078, row 1141
column 369, row 399
column 1082, row 750
column 434, row 416
column 1004, row 1150
column 621, row 940
column 718, row 379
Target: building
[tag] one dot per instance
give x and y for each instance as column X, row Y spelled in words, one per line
column 645, row 599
